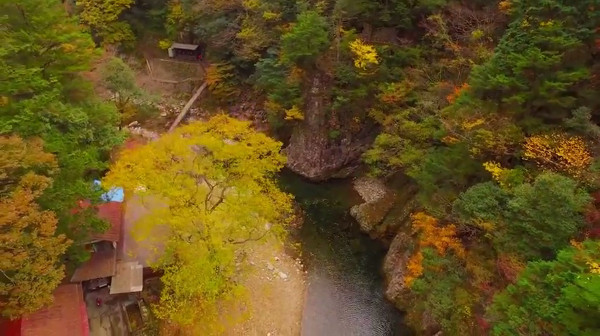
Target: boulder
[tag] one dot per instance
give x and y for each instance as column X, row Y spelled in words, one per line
column 394, row 266
column 385, row 210
column 379, row 200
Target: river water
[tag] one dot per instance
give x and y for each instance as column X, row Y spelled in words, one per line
column 345, row 288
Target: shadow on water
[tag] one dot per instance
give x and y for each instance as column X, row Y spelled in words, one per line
column 345, row 287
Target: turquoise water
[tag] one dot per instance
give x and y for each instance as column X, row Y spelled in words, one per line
column 345, row 287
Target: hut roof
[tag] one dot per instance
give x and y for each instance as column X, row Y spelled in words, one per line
column 112, row 212
column 102, row 264
column 128, row 278
column 184, row 46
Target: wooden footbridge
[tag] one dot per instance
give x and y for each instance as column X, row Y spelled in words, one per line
column 187, row 106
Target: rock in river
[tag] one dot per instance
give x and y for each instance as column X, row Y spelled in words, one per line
column 378, row 202
column 312, row 152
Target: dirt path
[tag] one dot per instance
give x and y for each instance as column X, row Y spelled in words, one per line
column 276, row 286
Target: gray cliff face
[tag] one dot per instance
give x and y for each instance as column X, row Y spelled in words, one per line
column 385, row 215
column 311, row 153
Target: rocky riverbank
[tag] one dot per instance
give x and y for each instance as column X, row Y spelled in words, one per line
column 275, row 287
column 385, row 215
column 379, row 200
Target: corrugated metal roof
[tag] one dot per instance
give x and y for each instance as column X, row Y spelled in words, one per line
column 111, row 212
column 66, row 316
column 149, row 249
column 184, row 46
column 128, row 279
column 10, row 328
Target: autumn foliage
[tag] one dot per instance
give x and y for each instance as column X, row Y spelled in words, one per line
column 488, row 110
column 558, row 152
column 456, row 92
column 431, row 234
column 214, row 180
column 102, row 16
column 504, row 6
column 365, row 55
column 30, row 250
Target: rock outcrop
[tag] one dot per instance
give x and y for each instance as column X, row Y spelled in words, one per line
column 379, row 200
column 394, row 270
column 385, row 215
column 311, row 151
column 394, row 267
column 386, row 209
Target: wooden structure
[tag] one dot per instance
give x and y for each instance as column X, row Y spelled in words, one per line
column 106, row 264
column 187, row 107
column 186, row 51
column 102, row 246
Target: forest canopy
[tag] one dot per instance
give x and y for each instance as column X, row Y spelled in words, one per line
column 56, row 135
column 488, row 108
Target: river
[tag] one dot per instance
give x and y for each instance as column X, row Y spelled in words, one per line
column 345, row 288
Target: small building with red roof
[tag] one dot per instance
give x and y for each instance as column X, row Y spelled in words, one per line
column 107, row 265
column 102, row 246
column 112, row 212
column 66, row 316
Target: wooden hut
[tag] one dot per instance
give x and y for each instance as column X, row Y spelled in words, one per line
column 186, row 51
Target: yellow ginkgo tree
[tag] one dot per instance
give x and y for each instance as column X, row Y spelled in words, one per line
column 365, row 55
column 215, row 180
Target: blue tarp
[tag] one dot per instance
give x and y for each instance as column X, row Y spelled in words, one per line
column 113, row 195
